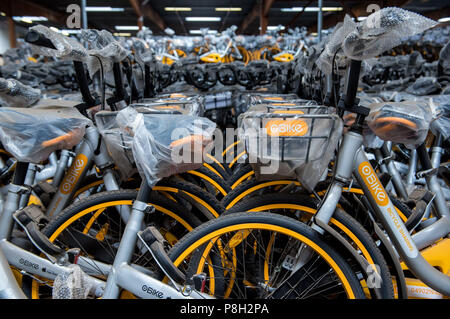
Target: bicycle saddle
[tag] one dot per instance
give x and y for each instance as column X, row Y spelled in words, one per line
column 32, row 134
column 402, row 122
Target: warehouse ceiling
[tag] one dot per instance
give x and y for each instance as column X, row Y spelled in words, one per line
column 248, row 15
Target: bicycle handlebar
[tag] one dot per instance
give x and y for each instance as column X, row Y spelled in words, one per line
column 39, row 39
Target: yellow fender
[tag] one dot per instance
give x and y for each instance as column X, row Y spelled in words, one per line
column 285, row 57
column 437, row 256
column 212, row 57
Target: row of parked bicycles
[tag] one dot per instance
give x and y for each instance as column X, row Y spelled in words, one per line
column 227, row 46
column 308, row 187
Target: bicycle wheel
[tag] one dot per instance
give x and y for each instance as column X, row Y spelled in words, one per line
column 303, row 208
column 94, row 225
column 265, row 255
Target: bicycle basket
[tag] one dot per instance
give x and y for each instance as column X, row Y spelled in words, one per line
column 290, row 144
column 287, row 108
column 190, row 105
column 32, row 134
column 263, row 98
column 166, row 144
column 400, row 122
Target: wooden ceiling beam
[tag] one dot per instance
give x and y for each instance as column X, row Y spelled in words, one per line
column 145, row 10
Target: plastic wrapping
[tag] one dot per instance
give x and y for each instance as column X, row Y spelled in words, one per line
column 118, row 142
column 333, row 44
column 400, row 122
column 425, row 85
column 444, row 58
column 164, row 145
column 193, row 105
column 383, row 30
column 440, row 106
column 290, row 144
column 31, row 134
column 142, row 51
column 16, row 94
column 263, row 98
column 74, row 284
column 66, row 48
column 104, row 46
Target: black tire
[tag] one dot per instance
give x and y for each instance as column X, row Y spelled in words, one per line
column 238, row 174
column 204, row 213
column 351, row 224
column 197, row 238
column 220, row 188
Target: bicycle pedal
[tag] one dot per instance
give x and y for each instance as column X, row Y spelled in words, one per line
column 421, row 199
column 421, row 194
column 26, row 219
column 199, row 281
column 35, row 213
column 155, row 243
column 44, row 191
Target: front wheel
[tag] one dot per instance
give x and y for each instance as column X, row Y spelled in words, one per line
column 264, row 255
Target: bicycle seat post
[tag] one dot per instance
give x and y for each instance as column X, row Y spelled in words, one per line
column 349, row 101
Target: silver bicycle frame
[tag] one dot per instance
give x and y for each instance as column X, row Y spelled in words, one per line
column 85, row 155
column 352, row 160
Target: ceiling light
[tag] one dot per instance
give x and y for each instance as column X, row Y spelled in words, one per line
column 446, row 19
column 177, row 9
column 70, row 31
column 122, row 34
column 29, row 19
column 2, row 14
column 229, row 9
column 104, row 9
column 126, row 27
column 273, row 27
column 361, row 18
column 200, row 31
column 202, row 18
column 311, row 9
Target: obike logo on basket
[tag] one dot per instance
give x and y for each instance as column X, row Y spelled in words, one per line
column 73, row 174
column 291, row 127
column 273, row 98
column 282, row 104
column 373, row 183
column 287, row 111
column 176, row 107
column 177, row 95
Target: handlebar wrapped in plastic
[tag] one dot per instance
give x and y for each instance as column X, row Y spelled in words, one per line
column 383, row 30
column 16, row 94
column 43, row 38
column 105, row 47
column 379, row 32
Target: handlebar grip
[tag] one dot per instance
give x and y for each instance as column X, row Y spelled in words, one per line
column 37, row 38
